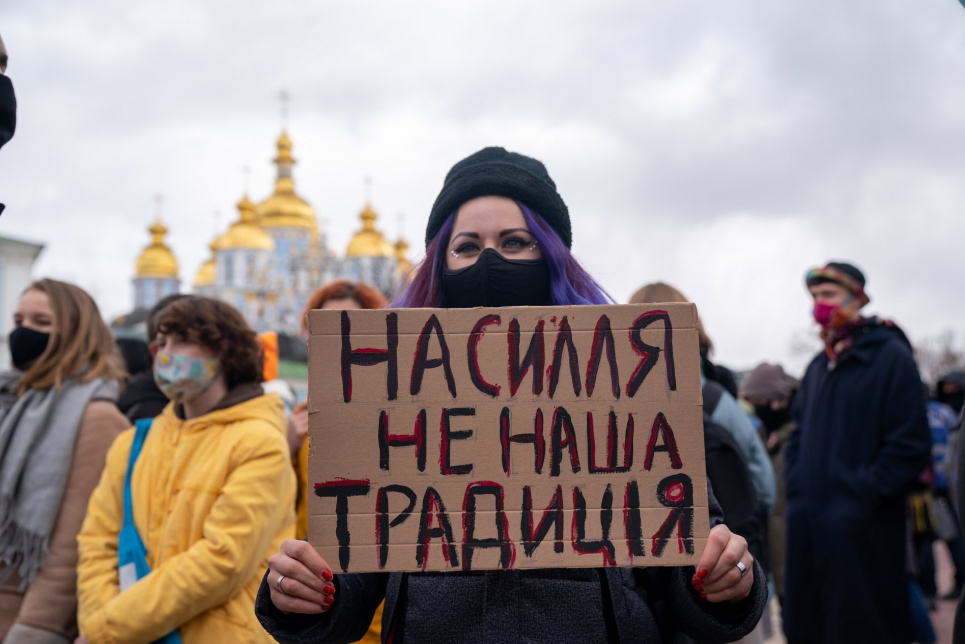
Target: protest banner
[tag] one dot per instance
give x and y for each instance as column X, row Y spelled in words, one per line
column 530, row 437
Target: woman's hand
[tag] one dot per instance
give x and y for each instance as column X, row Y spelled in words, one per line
column 306, row 579
column 718, row 578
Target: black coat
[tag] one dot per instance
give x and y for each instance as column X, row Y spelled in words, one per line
column 862, row 441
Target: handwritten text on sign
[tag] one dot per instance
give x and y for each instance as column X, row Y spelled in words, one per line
column 532, row 437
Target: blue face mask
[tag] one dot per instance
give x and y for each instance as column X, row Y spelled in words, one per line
column 182, row 379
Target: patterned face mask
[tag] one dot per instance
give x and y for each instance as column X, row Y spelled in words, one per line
column 182, row 379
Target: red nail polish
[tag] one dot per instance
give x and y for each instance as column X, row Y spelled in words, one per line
column 327, row 575
column 328, row 600
column 329, row 588
column 703, row 572
column 699, row 589
column 695, row 581
column 704, row 595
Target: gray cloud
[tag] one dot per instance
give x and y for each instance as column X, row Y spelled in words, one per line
column 724, row 147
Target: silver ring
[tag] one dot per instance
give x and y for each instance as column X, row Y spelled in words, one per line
column 278, row 584
column 740, row 566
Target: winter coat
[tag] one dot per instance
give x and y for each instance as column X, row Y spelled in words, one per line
column 47, row 610
column 579, row 605
column 862, row 441
column 213, row 497
column 942, row 421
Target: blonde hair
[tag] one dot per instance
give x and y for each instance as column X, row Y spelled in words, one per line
column 661, row 292
column 81, row 345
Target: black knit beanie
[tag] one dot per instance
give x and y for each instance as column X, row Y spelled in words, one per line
column 496, row 172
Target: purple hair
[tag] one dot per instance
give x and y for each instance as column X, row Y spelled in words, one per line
column 570, row 284
column 425, row 290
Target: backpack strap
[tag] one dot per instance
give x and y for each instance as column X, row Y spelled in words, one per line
column 132, row 554
column 142, row 427
column 712, row 391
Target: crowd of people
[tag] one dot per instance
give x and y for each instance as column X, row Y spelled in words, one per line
column 156, row 492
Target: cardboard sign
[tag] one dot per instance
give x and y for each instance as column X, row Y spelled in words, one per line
column 530, row 437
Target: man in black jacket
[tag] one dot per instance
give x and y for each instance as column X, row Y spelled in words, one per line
column 861, row 443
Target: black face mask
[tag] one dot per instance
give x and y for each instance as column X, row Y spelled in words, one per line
column 26, row 345
column 496, row 281
column 772, row 418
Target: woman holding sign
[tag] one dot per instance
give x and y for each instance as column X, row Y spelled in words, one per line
column 499, row 235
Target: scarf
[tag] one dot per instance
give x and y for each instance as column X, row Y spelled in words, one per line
column 37, row 435
column 838, row 340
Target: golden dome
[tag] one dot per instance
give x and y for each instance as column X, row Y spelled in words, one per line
column 284, row 207
column 206, row 274
column 403, row 264
column 369, row 242
column 246, row 233
column 157, row 260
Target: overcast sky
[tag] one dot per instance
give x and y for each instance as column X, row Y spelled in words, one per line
column 722, row 147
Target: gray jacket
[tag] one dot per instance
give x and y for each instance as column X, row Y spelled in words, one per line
column 578, row 605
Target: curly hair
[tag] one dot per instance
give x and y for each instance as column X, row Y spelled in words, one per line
column 220, row 328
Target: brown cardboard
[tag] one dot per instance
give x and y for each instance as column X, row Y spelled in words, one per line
column 471, row 507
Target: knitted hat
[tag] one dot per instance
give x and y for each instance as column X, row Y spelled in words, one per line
column 767, row 381
column 841, row 273
column 494, row 171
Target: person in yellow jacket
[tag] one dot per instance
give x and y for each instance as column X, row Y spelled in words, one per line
column 212, row 493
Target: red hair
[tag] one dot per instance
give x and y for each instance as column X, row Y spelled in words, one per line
column 368, row 297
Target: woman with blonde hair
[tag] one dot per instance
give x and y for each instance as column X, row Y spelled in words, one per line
column 662, row 292
column 57, row 421
column 726, row 411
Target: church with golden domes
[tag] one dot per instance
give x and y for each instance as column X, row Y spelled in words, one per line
column 156, row 274
column 273, row 257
